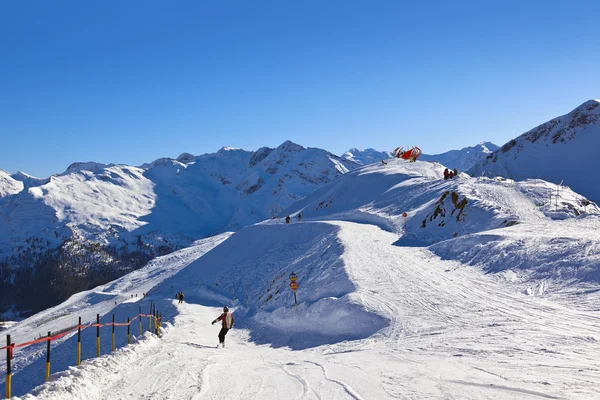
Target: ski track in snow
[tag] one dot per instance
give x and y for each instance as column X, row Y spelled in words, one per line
column 453, row 333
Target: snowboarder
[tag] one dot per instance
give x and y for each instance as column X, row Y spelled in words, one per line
column 299, row 217
column 446, row 173
column 287, row 219
column 227, row 323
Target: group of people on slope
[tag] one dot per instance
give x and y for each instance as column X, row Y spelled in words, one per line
column 450, row 174
column 179, row 296
column 288, row 219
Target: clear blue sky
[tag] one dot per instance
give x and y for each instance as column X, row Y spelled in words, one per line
column 131, row 81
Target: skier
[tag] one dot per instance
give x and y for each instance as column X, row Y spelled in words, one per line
column 287, row 219
column 446, row 173
column 299, row 217
column 181, row 297
column 455, row 172
column 227, row 323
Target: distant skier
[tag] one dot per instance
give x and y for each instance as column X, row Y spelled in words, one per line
column 455, row 172
column 181, row 297
column 383, row 162
column 446, row 173
column 227, row 323
column 299, row 217
column 287, row 219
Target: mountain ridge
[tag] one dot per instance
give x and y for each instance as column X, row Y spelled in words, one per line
column 560, row 150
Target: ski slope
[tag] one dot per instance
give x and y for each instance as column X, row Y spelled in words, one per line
column 502, row 311
column 452, row 332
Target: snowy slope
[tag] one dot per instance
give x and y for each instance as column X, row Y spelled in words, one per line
column 560, row 150
column 367, row 156
column 136, row 213
column 505, row 310
column 462, row 159
column 9, row 185
column 437, row 209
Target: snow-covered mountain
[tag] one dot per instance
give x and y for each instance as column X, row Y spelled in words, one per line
column 505, row 298
column 366, row 157
column 462, row 159
column 116, row 217
column 561, row 150
column 9, row 185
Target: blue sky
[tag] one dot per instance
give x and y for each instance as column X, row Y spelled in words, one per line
column 131, row 81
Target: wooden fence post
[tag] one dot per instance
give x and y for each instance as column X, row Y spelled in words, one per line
column 113, row 334
column 150, row 318
column 48, row 357
column 97, row 335
column 8, row 370
column 79, row 342
column 140, row 317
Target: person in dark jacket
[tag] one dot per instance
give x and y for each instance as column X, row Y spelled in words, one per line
column 455, row 172
column 181, row 297
column 446, row 173
column 287, row 219
column 226, row 324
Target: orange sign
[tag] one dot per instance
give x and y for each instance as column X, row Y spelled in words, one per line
column 293, row 285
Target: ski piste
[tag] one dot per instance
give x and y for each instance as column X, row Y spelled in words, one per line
column 380, row 314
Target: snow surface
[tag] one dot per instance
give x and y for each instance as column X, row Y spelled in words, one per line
column 9, row 185
column 504, row 310
column 561, row 150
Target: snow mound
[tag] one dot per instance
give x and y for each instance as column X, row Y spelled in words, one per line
column 563, row 253
column 437, row 209
column 271, row 253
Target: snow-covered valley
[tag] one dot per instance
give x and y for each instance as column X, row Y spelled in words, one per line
column 489, row 290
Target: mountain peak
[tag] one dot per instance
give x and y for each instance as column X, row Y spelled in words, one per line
column 290, row 146
column 87, row 166
column 186, row 158
column 225, row 149
column 560, row 150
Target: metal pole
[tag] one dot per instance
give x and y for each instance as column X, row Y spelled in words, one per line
column 295, row 302
column 140, row 317
column 150, row 318
column 79, row 343
column 48, row 357
column 8, row 370
column 128, row 334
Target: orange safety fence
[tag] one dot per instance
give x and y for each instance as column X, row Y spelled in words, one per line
column 82, row 327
